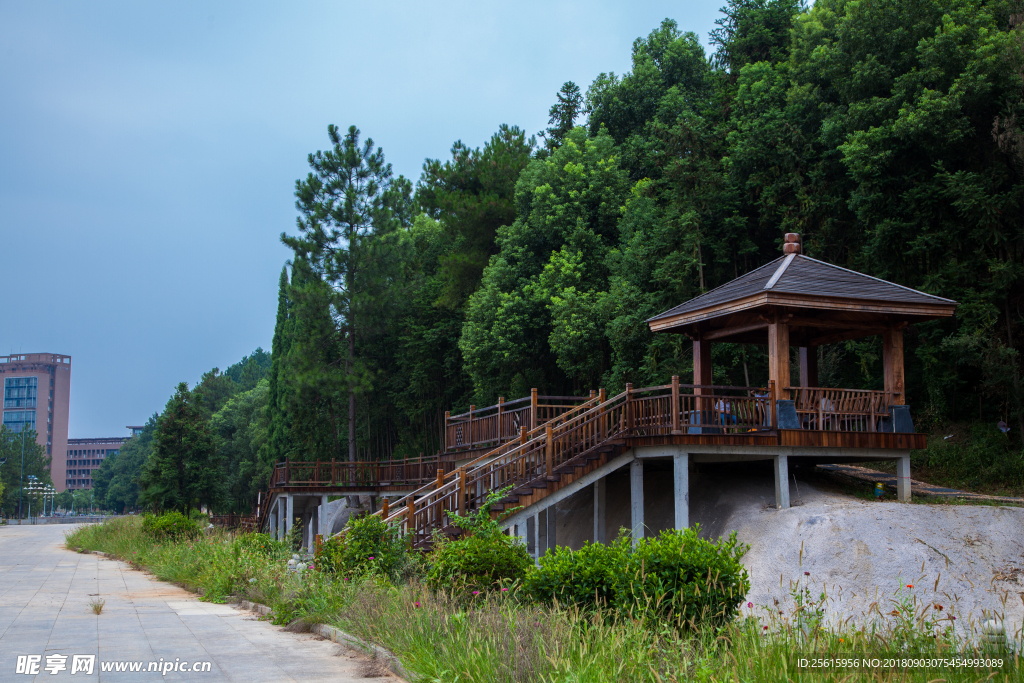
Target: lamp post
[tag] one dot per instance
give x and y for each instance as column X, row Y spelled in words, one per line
column 21, row 479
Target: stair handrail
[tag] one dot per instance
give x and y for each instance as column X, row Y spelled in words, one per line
column 499, row 460
column 539, row 430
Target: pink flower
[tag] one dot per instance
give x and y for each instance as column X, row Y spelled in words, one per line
column 371, row 557
column 476, row 592
column 807, row 573
column 503, row 590
column 416, row 604
column 765, row 628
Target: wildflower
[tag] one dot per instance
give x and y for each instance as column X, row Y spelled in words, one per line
column 503, row 590
column 750, row 605
column 765, row 628
column 807, row 573
column 371, row 557
column 476, row 592
column 938, row 607
column 840, row 640
column 415, row 604
column 910, row 585
column 952, row 618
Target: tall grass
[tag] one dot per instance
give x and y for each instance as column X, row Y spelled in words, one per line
column 496, row 637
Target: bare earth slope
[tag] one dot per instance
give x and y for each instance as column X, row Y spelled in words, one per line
column 861, row 552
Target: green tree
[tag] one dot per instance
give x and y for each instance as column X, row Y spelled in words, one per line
column 240, row 429
column 182, row 472
column 563, row 114
column 37, row 464
column 471, row 195
column 547, row 278
column 349, row 206
column 116, row 482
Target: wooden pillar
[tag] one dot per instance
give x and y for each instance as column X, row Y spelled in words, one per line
column 470, row 439
column 778, row 357
column 808, row 366
column 674, row 417
column 500, row 432
column 892, row 363
column 702, row 374
column 533, row 409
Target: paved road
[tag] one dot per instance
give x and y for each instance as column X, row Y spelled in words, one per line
column 45, row 593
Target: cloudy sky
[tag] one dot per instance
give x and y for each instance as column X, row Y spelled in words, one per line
column 149, row 151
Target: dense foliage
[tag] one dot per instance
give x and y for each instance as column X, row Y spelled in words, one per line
column 369, row 546
column 14, row 446
column 676, row 576
column 172, row 526
column 888, row 134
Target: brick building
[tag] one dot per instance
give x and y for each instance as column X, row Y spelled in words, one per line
column 37, row 395
column 86, row 455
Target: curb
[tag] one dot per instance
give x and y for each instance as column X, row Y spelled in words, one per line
column 346, row 640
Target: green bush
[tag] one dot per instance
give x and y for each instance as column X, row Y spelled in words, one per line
column 173, row 526
column 677, row 575
column 584, row 577
column 485, row 558
column 477, row 562
column 680, row 575
column 260, row 544
column 368, row 546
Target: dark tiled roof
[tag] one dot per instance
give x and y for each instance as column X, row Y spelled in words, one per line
column 805, row 275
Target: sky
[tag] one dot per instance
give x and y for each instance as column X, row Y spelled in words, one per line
column 149, row 153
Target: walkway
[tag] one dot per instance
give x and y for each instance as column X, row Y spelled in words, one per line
column 45, row 592
column 918, row 488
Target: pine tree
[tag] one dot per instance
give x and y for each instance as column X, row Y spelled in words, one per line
column 279, row 443
column 182, row 472
column 346, row 206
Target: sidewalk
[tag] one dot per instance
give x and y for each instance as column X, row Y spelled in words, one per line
column 917, row 488
column 45, row 593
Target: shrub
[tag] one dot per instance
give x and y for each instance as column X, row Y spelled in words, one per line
column 173, row 526
column 260, row 544
column 369, row 546
column 484, row 558
column 679, row 574
column 477, row 562
column 675, row 575
column 584, row 577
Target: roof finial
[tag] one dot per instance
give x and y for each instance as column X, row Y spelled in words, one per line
column 792, row 245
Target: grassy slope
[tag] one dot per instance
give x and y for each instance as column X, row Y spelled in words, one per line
column 448, row 638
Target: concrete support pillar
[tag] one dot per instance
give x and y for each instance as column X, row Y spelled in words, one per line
column 552, row 519
column 636, row 499
column 521, row 532
column 781, row 482
column 289, row 516
column 308, row 540
column 542, row 532
column 272, row 522
column 281, row 514
column 903, row 479
column 600, row 511
column 536, row 538
column 681, row 474
column 322, row 516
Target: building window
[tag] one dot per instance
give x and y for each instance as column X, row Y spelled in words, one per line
column 20, row 392
column 16, row 420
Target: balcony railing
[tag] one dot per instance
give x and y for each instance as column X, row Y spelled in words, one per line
column 496, row 424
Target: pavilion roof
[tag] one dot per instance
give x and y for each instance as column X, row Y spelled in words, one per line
column 799, row 281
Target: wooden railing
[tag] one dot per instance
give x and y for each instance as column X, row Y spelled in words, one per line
column 503, row 421
column 354, row 474
column 537, row 455
column 843, row 410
